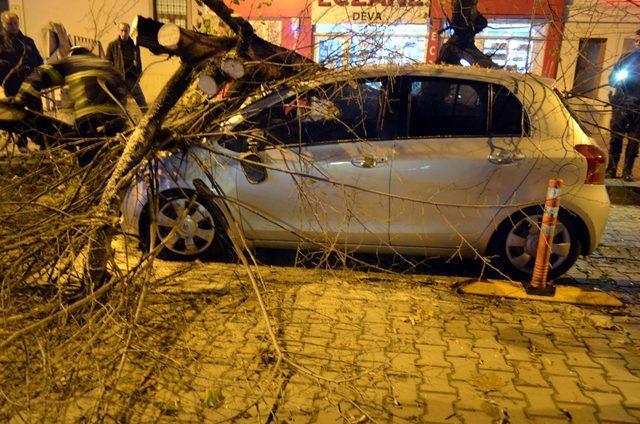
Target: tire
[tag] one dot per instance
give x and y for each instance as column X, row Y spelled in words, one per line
column 196, row 227
column 516, row 242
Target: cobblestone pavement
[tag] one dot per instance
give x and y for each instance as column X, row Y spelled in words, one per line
column 375, row 347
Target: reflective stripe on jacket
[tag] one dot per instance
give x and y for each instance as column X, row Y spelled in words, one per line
column 92, row 84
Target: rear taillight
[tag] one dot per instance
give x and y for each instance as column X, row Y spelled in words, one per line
column 596, row 162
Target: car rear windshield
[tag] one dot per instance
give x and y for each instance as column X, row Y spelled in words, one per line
column 572, row 112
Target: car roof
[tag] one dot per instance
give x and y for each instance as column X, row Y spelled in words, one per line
column 444, row 71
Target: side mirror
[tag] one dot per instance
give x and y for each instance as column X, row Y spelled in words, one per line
column 252, row 167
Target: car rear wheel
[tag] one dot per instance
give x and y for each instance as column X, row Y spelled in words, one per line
column 516, row 244
column 188, row 226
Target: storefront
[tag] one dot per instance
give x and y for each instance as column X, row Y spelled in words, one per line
column 369, row 32
column 286, row 23
column 522, row 35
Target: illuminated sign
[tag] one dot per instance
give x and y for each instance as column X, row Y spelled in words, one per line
column 370, row 11
column 370, row 3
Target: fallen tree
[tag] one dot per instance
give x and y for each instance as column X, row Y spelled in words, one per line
column 466, row 21
column 258, row 60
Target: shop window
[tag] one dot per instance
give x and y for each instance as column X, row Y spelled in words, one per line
column 513, row 44
column 447, row 107
column 367, row 45
column 174, row 11
column 507, row 115
column 586, row 81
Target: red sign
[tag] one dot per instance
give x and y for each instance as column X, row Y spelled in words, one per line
column 369, row 3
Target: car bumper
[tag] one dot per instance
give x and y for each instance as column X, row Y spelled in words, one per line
column 591, row 204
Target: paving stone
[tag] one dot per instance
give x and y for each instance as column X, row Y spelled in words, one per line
column 592, row 379
column 457, row 329
column 630, row 391
column 578, row 357
column 631, row 355
column 469, row 397
column 567, row 389
column 528, row 374
column 492, row 359
column 404, row 361
column 480, row 417
column 436, row 379
column 599, row 348
column 510, row 333
column 555, row 365
column 432, row 336
column 541, row 343
column 610, row 407
column 540, row 401
column 440, row 409
column 485, row 339
column 460, row 347
column 518, row 351
column 433, row 356
column 616, row 369
column 463, row 368
column 514, row 410
column 582, row 414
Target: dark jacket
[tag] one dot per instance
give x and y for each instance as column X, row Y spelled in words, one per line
column 125, row 56
column 627, row 87
column 18, row 58
column 92, row 83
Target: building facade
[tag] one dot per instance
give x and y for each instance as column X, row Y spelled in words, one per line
column 524, row 35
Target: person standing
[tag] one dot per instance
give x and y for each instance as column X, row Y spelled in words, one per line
column 625, row 118
column 125, row 56
column 18, row 54
column 96, row 89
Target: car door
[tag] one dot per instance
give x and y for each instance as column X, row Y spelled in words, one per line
column 458, row 161
column 347, row 159
column 330, row 142
column 270, row 205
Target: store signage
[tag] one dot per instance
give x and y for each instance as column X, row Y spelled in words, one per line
column 369, row 3
column 370, row 11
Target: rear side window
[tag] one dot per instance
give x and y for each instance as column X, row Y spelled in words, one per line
column 507, row 115
column 446, row 107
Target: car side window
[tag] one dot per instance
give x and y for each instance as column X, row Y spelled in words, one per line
column 348, row 110
column 508, row 117
column 444, row 107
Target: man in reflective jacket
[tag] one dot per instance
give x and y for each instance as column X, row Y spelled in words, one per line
column 96, row 89
column 625, row 118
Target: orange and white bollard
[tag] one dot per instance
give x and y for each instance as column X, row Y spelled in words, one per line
column 538, row 283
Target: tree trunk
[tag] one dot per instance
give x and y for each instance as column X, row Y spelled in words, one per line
column 466, row 22
column 90, row 266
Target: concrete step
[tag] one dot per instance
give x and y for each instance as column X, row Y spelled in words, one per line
column 622, row 192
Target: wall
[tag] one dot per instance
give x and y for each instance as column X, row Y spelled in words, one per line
column 76, row 16
column 613, row 20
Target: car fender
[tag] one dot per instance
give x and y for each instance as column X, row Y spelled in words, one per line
column 179, row 171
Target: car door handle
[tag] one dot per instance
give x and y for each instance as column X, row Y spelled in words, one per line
column 368, row 162
column 505, row 157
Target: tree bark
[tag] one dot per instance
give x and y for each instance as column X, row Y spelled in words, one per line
column 90, row 266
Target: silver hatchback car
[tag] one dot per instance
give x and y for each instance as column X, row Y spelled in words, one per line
column 423, row 160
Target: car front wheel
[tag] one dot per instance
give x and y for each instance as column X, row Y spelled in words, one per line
column 188, row 226
column 516, row 245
